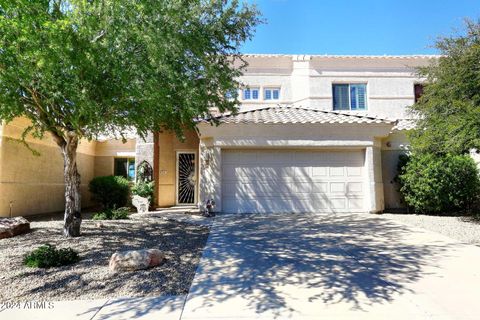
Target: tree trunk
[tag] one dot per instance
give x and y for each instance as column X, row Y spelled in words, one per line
column 72, row 218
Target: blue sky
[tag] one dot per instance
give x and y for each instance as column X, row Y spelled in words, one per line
column 374, row 27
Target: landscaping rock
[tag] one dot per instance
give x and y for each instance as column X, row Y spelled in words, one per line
column 11, row 227
column 135, row 260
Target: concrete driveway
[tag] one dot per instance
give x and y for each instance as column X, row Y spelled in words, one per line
column 354, row 266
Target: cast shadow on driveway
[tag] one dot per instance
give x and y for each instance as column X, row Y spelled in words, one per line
column 271, row 260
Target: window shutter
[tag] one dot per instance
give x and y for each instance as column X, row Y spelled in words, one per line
column 276, row 94
column 358, row 98
column 340, row 97
column 254, row 94
column 268, row 94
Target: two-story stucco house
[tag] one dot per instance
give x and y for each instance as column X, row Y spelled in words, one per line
column 313, row 134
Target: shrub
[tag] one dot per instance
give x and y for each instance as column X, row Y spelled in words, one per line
column 112, row 214
column 47, row 256
column 110, row 191
column 439, row 184
column 144, row 189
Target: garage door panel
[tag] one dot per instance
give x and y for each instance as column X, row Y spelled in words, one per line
column 238, row 157
column 272, row 157
column 355, row 187
column 320, row 187
column 355, row 203
column 292, row 181
column 319, row 172
column 338, row 203
column 277, row 204
column 336, row 171
column 354, row 171
column 337, row 187
column 303, row 187
column 237, row 205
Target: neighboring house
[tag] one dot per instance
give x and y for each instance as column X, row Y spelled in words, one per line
column 313, row 134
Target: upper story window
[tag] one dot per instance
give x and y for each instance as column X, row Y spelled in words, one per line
column 352, row 96
column 250, row 94
column 418, row 90
column 231, row 94
column 271, row 94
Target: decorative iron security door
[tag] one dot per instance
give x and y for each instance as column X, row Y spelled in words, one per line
column 186, row 178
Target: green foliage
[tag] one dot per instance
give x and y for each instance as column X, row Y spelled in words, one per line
column 144, row 189
column 449, row 110
column 110, row 191
column 47, row 256
column 76, row 67
column 439, row 184
column 112, row 214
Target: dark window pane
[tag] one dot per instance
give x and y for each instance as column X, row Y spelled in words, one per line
column 340, row 97
column 120, row 167
column 418, row 88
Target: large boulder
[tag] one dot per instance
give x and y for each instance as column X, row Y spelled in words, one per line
column 11, row 227
column 135, row 260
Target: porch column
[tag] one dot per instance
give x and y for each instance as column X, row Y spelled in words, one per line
column 210, row 174
column 144, row 150
column 374, row 191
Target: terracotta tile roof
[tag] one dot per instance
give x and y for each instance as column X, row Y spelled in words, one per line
column 290, row 114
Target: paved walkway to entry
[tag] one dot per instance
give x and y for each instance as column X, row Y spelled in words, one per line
column 332, row 267
column 301, row 266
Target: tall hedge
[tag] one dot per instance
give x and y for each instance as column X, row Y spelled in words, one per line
column 439, row 184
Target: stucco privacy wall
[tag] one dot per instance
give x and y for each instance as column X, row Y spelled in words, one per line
column 294, row 136
column 34, row 184
column 168, row 146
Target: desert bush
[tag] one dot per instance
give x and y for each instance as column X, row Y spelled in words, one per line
column 110, row 191
column 144, row 189
column 439, row 184
column 47, row 256
column 112, row 214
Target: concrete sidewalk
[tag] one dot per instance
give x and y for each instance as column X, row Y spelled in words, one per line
column 163, row 307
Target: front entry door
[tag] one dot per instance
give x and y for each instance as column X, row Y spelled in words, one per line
column 186, row 178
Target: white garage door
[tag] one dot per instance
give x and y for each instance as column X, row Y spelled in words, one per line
column 292, row 181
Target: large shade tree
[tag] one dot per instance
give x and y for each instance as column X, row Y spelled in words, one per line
column 78, row 68
column 449, row 110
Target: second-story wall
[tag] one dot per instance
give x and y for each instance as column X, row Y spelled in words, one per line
column 307, row 80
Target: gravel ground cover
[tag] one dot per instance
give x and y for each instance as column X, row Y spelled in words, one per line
column 463, row 229
column 90, row 278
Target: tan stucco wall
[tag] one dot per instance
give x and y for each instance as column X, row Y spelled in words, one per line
column 34, row 184
column 106, row 151
column 168, row 145
column 392, row 147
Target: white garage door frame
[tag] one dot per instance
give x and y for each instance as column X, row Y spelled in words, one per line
column 293, row 180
